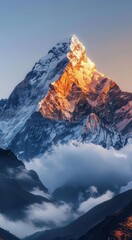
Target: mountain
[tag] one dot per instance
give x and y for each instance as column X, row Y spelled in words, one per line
column 71, row 194
column 41, row 134
column 115, row 227
column 5, row 235
column 2, row 103
column 83, row 224
column 19, row 188
column 64, row 98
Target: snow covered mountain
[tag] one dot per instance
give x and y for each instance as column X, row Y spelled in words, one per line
column 64, row 98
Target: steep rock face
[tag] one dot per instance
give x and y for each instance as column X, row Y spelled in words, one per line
column 24, row 100
column 65, row 87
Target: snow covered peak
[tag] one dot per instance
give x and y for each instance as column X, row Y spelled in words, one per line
column 74, row 81
column 78, row 53
column 58, row 52
column 76, row 44
column 76, row 50
column 70, row 48
column 65, row 85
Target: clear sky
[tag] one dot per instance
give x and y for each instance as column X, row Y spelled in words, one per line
column 29, row 28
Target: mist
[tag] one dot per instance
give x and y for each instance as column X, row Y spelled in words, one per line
column 84, row 164
column 45, row 216
column 74, row 164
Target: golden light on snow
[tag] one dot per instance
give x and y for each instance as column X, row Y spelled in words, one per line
column 79, row 78
column 77, row 75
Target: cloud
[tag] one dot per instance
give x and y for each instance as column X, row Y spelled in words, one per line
column 85, row 164
column 19, row 173
column 39, row 217
column 92, row 202
column 18, row 228
column 37, row 191
column 92, row 190
column 127, row 187
column 23, row 174
column 57, row 215
column 50, row 214
column 46, row 215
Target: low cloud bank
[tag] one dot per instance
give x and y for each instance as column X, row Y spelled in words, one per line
column 84, row 164
column 39, row 217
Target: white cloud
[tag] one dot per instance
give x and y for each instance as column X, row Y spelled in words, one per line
column 46, row 215
column 37, row 191
column 92, row 202
column 19, row 228
column 39, row 217
column 50, row 214
column 92, row 190
column 87, row 164
column 127, row 187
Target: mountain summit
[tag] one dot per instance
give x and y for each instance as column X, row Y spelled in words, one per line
column 81, row 89
column 74, row 83
column 64, row 98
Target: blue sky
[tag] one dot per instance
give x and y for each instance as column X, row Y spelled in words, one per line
column 29, row 28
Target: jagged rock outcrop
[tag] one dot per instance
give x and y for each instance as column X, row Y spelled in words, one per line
column 40, row 135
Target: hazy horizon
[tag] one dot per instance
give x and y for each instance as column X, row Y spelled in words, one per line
column 28, row 31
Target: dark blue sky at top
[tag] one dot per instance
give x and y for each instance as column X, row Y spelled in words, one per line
column 29, row 28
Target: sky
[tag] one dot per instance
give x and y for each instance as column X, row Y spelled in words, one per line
column 29, row 28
